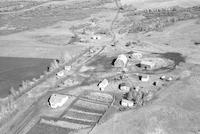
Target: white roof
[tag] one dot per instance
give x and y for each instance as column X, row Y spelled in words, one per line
column 126, row 103
column 68, row 68
column 121, row 58
column 57, row 100
column 61, row 73
column 103, row 84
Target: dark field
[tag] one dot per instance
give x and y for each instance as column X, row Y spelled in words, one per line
column 176, row 57
column 14, row 70
column 41, row 128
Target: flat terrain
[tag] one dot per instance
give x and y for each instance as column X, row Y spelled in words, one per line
column 15, row 70
column 33, row 32
column 40, row 129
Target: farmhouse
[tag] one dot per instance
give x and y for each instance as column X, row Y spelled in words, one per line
column 57, row 100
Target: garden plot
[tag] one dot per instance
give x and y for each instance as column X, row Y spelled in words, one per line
column 82, row 116
column 100, row 97
column 64, row 124
column 84, row 112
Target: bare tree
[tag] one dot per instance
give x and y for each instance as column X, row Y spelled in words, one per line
column 13, row 91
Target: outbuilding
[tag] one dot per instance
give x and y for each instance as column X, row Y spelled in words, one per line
column 136, row 55
column 103, row 84
column 127, row 103
column 166, row 78
column 57, row 100
column 147, row 64
column 124, row 88
column 144, row 78
column 68, row 68
column 121, row 61
column 60, row 74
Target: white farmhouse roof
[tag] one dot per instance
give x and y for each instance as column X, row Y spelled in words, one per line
column 57, row 100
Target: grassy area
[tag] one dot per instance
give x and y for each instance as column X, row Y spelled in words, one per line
column 41, row 128
column 15, row 70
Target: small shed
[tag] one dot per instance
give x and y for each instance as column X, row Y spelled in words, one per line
column 136, row 55
column 68, row 68
column 60, row 74
column 166, row 78
column 103, row 84
column 123, row 87
column 144, row 78
column 127, row 103
column 147, row 64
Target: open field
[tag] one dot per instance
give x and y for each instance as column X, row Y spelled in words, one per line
column 41, row 128
column 143, row 4
column 159, row 40
column 15, row 70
